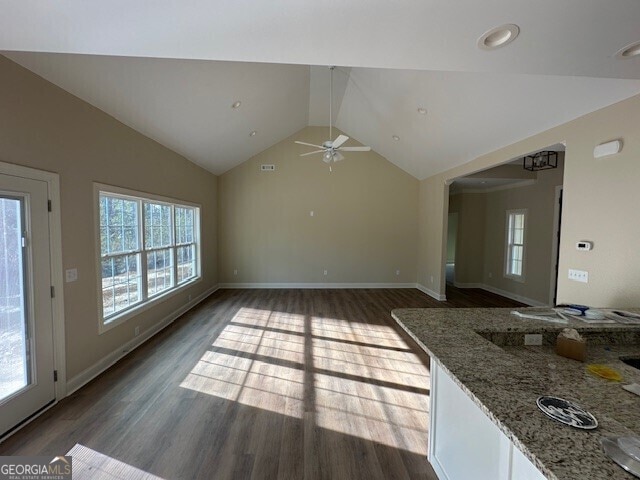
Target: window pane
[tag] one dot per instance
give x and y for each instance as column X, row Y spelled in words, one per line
column 516, row 267
column 517, row 252
column 519, row 220
column 518, row 236
column 157, row 225
column 159, row 271
column 14, row 357
column 186, row 263
column 184, row 225
column 118, row 225
column 121, row 283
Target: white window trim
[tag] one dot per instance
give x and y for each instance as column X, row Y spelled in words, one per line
column 516, row 278
column 154, row 300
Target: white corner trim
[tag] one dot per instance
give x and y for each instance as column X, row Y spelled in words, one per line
column 503, row 293
column 96, row 369
column 468, row 285
column 438, row 296
column 317, row 285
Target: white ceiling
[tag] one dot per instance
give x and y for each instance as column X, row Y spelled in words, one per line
column 403, row 55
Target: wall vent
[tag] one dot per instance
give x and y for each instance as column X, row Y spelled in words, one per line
column 267, row 168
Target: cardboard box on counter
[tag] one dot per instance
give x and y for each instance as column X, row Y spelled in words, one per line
column 574, row 349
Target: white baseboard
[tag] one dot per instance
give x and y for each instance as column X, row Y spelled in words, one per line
column 503, row 293
column 431, row 293
column 96, row 369
column 468, row 285
column 317, row 285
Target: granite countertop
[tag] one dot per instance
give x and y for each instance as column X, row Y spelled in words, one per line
column 479, row 349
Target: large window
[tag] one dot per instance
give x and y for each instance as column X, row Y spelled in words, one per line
column 515, row 244
column 148, row 248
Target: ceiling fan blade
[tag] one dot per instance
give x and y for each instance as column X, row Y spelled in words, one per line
column 339, row 141
column 308, row 144
column 355, row 149
column 337, row 157
column 311, row 153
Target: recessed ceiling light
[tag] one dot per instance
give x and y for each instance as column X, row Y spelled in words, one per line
column 498, row 37
column 422, row 111
column 631, row 50
column 396, row 137
column 252, row 134
column 236, row 104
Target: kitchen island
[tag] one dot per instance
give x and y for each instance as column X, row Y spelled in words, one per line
column 480, row 353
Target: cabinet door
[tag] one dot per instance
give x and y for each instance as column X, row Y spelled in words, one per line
column 466, row 444
column 522, row 468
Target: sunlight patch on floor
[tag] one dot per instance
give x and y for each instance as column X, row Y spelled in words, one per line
column 367, row 385
column 87, row 464
column 356, row 379
column 255, row 366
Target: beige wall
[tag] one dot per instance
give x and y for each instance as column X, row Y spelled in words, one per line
column 471, row 210
column 364, row 226
column 600, row 204
column 44, row 127
column 433, row 207
column 452, row 236
column 538, row 200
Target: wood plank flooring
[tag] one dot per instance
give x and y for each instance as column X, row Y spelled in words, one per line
column 259, row 384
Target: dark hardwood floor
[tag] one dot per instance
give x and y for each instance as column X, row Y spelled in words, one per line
column 260, row 384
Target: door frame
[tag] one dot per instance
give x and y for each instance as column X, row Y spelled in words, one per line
column 57, row 282
column 555, row 244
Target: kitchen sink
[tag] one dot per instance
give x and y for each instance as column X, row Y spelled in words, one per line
column 633, row 361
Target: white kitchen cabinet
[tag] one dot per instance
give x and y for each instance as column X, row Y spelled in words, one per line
column 464, row 443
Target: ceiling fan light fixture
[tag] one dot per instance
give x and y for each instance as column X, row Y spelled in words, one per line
column 498, row 37
column 235, row 105
column 253, row 133
column 331, row 149
column 628, row 51
column 422, row 111
column 396, row 138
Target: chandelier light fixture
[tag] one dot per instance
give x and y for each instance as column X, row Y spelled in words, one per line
column 540, row 161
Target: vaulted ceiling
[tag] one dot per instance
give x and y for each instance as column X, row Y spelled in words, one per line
column 172, row 70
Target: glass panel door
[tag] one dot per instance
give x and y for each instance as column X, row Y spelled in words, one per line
column 15, row 371
column 27, row 382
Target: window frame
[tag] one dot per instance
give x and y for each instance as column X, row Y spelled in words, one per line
column 508, row 245
column 146, row 301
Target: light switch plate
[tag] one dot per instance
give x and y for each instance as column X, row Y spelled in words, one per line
column 71, row 275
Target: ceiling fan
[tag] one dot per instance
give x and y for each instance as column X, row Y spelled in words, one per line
column 331, row 149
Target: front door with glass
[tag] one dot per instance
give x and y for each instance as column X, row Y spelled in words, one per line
column 26, row 322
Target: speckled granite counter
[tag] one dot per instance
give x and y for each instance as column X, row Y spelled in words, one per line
column 505, row 381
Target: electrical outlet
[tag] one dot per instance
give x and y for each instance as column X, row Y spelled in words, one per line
column 490, row 275
column 325, row 272
column 136, row 331
column 579, row 275
column 235, row 272
column 397, row 272
column 533, row 339
column 431, row 278
column 311, row 213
